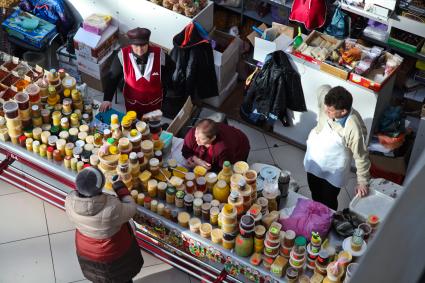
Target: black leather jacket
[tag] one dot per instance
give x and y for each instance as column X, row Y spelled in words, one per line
column 194, row 74
column 275, row 88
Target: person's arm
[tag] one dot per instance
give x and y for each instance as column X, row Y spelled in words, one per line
column 114, row 76
column 356, row 141
column 189, row 143
column 128, row 206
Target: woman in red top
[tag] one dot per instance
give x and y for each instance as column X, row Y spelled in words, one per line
column 209, row 144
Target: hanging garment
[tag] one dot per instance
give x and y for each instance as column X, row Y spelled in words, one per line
column 142, row 92
column 274, row 89
column 327, row 157
column 312, row 13
column 194, row 74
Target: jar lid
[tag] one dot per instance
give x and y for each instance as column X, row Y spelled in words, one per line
column 171, row 190
column 84, row 128
column 162, row 186
column 133, row 156
column 247, row 220
column 88, row 147
column 52, row 139
column 80, row 143
column 35, row 108
column 300, row 241
column 234, row 195
column 54, row 129
column 206, row 206
column 50, row 149
column 189, row 198
column 147, row 199
column 215, row 203
column 110, row 140
column 211, row 177
column 189, row 176
column 64, row 120
column 180, row 194
column 227, row 164
column 153, row 162
column 35, row 143
column 214, row 210
column 113, row 149
column 197, row 202
column 73, row 131
column 77, row 150
column 207, row 197
column 172, row 163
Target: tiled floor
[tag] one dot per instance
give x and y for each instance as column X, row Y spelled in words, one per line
column 37, row 240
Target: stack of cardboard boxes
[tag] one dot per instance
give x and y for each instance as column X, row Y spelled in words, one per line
column 93, row 53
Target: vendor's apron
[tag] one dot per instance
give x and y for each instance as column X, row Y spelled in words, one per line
column 142, row 94
column 327, row 157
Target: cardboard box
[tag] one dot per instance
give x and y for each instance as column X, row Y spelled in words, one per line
column 226, row 57
column 335, row 69
column 263, row 47
column 38, row 37
column 182, row 117
column 93, row 47
column 97, row 84
column 366, row 80
column 396, row 165
column 216, row 101
column 96, row 70
column 310, row 38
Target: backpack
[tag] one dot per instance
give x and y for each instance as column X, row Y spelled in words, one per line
column 338, row 26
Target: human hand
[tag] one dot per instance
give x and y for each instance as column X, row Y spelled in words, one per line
column 190, row 162
column 202, row 163
column 105, row 106
column 362, row 190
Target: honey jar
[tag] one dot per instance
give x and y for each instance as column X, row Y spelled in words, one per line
column 170, row 195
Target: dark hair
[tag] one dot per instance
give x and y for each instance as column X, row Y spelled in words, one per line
column 208, row 127
column 339, row 98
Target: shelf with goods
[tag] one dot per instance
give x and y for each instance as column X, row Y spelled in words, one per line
column 394, row 20
column 252, row 14
column 417, row 55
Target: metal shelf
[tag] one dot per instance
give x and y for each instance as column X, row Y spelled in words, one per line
column 417, row 55
column 267, row 19
column 364, row 13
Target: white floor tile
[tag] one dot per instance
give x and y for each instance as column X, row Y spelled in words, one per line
column 274, row 142
column 6, row 188
column 260, row 156
column 256, row 138
column 163, row 273
column 22, row 217
column 57, row 221
column 26, row 261
column 67, row 268
column 305, row 191
column 291, row 158
column 150, row 260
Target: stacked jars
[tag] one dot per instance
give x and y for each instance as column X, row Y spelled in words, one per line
column 77, row 100
column 245, row 191
column 135, row 170
column 33, row 92
column 260, row 232
column 236, row 200
column 123, row 170
column 147, row 149
column 13, row 122
column 24, row 108
column 313, row 249
column 228, row 220
column 251, row 179
column 135, row 138
column 298, row 253
column 287, row 243
column 272, row 241
column 244, row 241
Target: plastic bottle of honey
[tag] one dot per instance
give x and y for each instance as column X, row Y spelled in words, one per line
column 221, row 191
column 226, row 173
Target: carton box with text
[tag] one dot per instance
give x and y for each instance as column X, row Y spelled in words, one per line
column 93, row 47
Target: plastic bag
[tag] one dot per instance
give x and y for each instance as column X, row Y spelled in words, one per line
column 308, row 216
column 338, row 26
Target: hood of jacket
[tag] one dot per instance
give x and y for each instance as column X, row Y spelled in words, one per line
column 188, row 37
column 87, row 206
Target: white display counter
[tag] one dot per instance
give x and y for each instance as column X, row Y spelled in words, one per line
column 163, row 22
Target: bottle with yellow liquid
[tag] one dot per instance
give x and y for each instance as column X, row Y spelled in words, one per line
column 226, row 173
column 221, row 191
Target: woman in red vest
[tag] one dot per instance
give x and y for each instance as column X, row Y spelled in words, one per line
column 140, row 65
